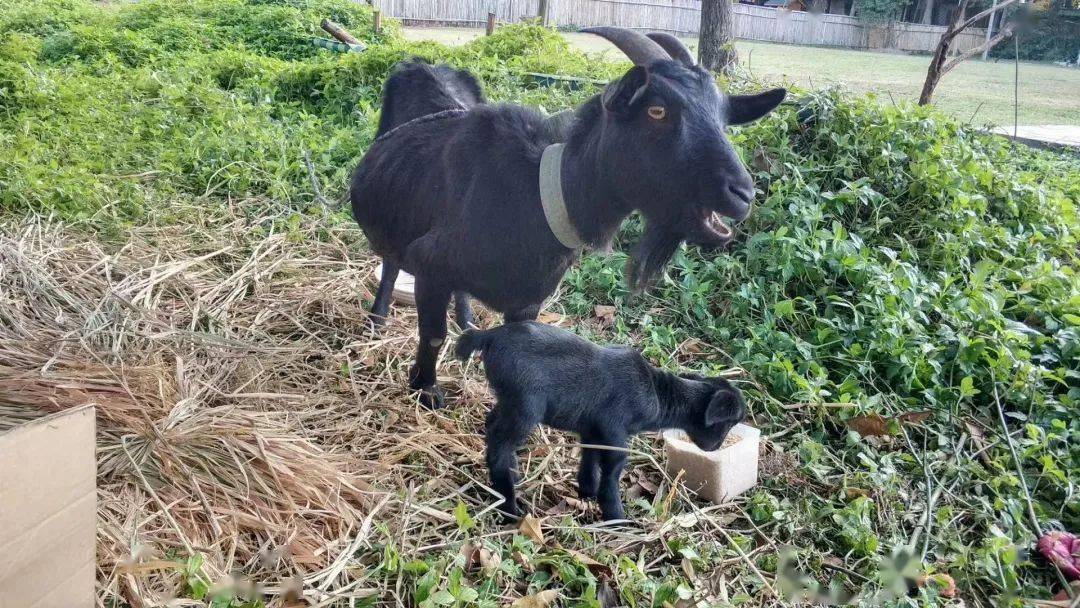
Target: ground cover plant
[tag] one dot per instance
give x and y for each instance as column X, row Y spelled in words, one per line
column 162, row 254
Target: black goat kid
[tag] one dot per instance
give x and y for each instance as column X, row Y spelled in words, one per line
column 545, row 375
column 455, row 197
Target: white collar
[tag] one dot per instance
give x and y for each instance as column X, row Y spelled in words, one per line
column 551, row 197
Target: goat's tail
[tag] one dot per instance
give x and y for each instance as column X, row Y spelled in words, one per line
column 470, row 341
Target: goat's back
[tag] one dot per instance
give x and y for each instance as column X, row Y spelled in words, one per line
column 575, row 383
column 468, row 180
column 416, row 89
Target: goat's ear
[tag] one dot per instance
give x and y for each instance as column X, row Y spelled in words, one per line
column 726, row 405
column 748, row 108
column 620, row 96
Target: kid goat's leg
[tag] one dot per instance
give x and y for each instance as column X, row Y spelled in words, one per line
column 529, row 313
column 431, row 304
column 611, row 466
column 382, row 296
column 588, row 478
column 504, row 433
column 463, row 310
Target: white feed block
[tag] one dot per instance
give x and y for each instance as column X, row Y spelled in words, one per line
column 719, row 475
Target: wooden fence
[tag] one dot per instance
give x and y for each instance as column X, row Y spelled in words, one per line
column 683, row 17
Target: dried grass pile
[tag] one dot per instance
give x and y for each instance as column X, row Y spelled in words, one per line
column 246, row 413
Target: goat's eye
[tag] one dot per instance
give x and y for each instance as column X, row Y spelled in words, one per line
column 657, row 112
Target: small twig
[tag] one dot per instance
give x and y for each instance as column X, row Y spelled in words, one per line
column 743, row 556
column 796, row 406
column 924, row 525
column 1023, row 482
column 319, row 198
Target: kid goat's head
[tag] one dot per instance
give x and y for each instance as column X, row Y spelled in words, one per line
column 663, row 149
column 715, row 412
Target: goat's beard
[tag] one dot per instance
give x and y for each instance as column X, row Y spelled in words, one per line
column 656, row 247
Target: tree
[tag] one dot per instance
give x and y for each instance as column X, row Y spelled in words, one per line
column 939, row 66
column 716, row 50
column 928, row 13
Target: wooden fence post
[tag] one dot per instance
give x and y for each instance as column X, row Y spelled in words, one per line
column 339, row 32
column 545, row 12
column 378, row 22
column 490, row 25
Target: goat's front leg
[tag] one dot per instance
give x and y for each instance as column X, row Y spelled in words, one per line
column 611, row 466
column 431, row 304
column 504, row 432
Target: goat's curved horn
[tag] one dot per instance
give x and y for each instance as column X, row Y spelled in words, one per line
column 635, row 45
column 673, row 46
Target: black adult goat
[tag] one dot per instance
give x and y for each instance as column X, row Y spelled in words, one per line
column 460, row 200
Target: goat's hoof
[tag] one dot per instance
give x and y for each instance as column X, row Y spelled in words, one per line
column 510, row 516
column 376, row 323
column 608, row 512
column 432, row 397
column 586, row 493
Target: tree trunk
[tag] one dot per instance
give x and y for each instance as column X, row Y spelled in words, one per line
column 716, row 50
column 545, row 12
column 928, row 13
column 851, row 13
column 989, row 33
column 940, row 63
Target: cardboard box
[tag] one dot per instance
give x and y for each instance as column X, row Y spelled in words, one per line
column 720, row 475
column 48, row 512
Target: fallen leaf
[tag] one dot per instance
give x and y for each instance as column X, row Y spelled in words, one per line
column 594, row 566
column 873, row 425
column 688, row 568
column 945, row 584
column 978, row 438
column 647, row 485
column 476, row 556
column 605, row 314
column 693, row 346
column 869, row 425
column 521, row 559
column 853, row 493
column 576, row 503
column 530, row 527
column 539, row 600
column 489, row 562
column 832, row 560
column 915, row 417
column 686, row 520
column 553, row 318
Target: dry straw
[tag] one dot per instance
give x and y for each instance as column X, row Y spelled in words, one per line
column 246, row 412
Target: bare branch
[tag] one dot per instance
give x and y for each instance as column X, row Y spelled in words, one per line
column 992, row 9
column 1005, row 32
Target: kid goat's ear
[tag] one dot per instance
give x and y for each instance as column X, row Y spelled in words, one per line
column 742, row 109
column 620, row 96
column 726, row 406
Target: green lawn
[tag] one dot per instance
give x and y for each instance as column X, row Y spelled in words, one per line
column 978, row 91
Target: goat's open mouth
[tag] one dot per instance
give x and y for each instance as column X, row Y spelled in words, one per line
column 714, row 224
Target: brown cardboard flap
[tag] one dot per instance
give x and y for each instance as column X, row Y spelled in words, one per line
column 48, row 512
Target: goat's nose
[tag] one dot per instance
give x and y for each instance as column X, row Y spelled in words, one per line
column 741, row 197
column 742, row 190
